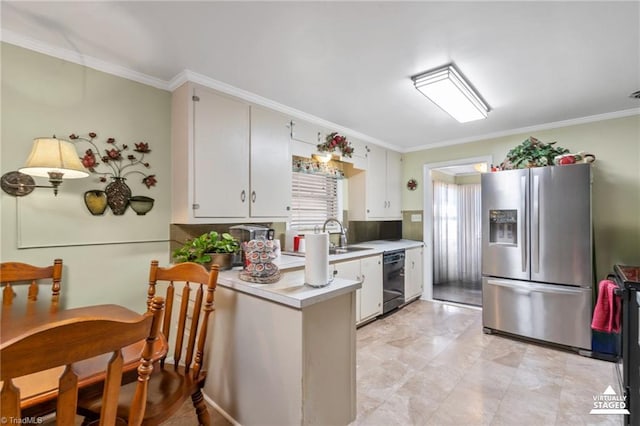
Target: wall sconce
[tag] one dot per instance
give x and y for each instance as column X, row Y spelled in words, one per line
column 447, row 88
column 50, row 157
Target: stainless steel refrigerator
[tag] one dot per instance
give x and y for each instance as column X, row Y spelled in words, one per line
column 537, row 262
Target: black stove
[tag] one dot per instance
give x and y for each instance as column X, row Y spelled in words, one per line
column 628, row 279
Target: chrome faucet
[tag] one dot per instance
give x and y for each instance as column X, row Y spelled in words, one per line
column 343, row 231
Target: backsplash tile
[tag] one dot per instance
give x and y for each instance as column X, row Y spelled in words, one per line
column 412, row 230
column 179, row 233
column 360, row 231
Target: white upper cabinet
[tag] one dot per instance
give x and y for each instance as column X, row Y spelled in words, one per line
column 376, row 182
column 376, row 194
column 270, row 164
column 221, row 156
column 231, row 161
column 359, row 156
column 394, row 185
column 303, row 131
column 304, row 138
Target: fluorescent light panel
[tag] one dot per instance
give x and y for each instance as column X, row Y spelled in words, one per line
column 446, row 88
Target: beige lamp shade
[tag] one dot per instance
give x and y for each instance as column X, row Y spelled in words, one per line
column 54, row 155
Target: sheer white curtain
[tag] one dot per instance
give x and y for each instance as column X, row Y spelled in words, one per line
column 469, row 232
column 456, row 232
column 445, row 232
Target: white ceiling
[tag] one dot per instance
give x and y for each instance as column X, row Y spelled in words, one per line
column 350, row 63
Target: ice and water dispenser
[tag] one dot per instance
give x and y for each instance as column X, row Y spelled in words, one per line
column 503, row 227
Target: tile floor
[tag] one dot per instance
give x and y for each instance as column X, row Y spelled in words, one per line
column 430, row 364
column 466, row 292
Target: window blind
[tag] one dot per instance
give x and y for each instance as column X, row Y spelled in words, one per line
column 314, row 200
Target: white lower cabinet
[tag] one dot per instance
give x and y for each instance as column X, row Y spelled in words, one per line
column 369, row 297
column 371, row 292
column 413, row 276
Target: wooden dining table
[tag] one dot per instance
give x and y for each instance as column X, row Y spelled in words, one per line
column 39, row 391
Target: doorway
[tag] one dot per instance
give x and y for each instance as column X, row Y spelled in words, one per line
column 452, row 230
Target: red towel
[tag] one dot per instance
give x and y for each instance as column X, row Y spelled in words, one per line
column 606, row 316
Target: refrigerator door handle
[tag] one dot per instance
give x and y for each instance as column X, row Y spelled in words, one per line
column 522, row 223
column 533, row 287
column 535, row 226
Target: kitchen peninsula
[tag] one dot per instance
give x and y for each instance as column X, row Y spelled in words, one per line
column 283, row 353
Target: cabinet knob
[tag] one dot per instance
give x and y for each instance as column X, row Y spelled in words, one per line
column 253, row 196
column 243, row 196
column 288, row 208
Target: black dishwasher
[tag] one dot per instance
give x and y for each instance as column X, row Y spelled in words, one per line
column 393, row 280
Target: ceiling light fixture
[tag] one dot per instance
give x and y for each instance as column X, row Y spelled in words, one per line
column 50, row 157
column 447, row 88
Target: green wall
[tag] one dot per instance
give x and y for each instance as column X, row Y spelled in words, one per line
column 42, row 96
column 616, row 174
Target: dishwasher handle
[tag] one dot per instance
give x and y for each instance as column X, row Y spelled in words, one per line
column 393, row 258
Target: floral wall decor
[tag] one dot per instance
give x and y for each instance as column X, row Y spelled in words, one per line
column 335, row 142
column 114, row 162
column 412, row 184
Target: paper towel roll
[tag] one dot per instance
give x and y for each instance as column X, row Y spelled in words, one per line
column 316, row 260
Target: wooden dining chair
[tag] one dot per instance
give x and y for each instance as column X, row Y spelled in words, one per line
column 75, row 335
column 190, row 288
column 13, row 273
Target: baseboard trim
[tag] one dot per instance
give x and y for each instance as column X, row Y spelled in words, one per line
column 220, row 410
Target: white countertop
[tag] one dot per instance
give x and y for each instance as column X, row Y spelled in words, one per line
column 375, row 247
column 290, row 289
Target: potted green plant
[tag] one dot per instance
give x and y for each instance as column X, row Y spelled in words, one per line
column 209, row 248
column 532, row 153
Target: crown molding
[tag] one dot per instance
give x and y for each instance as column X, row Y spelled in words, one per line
column 538, row 127
column 16, row 39
column 75, row 57
column 193, row 77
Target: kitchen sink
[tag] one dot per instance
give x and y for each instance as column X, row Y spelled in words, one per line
column 346, row 249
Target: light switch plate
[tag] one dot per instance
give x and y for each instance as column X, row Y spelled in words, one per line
column 416, row 218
